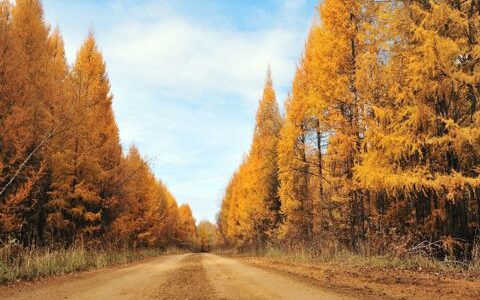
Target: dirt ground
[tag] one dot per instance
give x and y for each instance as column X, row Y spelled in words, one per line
column 209, row 276
column 186, row 276
column 375, row 282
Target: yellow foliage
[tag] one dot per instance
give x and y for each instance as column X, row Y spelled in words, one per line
column 251, row 209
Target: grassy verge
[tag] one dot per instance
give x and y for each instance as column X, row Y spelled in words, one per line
column 348, row 259
column 29, row 264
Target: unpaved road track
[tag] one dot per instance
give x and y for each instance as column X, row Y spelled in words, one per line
column 185, row 276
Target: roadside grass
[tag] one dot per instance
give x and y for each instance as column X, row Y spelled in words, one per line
column 347, row 259
column 28, row 264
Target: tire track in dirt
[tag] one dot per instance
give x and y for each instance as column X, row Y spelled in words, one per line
column 233, row 279
column 189, row 281
column 186, row 276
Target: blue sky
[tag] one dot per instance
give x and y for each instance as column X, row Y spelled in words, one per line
column 187, row 76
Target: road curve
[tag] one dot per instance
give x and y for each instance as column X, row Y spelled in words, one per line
column 185, row 276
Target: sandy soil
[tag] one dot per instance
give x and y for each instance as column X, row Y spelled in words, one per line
column 234, row 280
column 137, row 281
column 186, row 276
column 208, row 276
column 375, row 282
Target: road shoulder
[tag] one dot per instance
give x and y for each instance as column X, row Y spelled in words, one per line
column 371, row 282
column 134, row 281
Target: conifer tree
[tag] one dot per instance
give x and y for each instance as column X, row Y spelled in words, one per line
column 228, row 221
column 293, row 166
column 86, row 163
column 148, row 215
column 187, row 228
column 27, row 120
column 11, row 63
column 303, row 176
column 10, row 78
column 251, row 206
column 263, row 198
column 422, row 159
column 61, row 96
column 207, row 235
column 61, row 165
column 343, row 48
column 381, row 134
column 138, row 193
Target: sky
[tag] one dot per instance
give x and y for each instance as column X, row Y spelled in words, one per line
column 187, row 76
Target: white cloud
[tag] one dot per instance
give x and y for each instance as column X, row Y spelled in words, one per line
column 186, row 87
column 182, row 58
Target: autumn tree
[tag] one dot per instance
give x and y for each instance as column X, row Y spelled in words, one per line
column 138, row 192
column 10, row 64
column 343, row 50
column 187, row 227
column 167, row 217
column 63, row 179
column 381, row 132
column 228, row 217
column 84, row 167
column 10, row 80
column 207, row 236
column 294, row 156
column 320, row 144
column 422, row 160
column 251, row 207
column 28, row 89
column 264, row 201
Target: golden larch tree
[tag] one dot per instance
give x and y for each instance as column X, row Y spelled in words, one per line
column 27, row 119
column 187, row 227
column 85, row 165
column 422, row 159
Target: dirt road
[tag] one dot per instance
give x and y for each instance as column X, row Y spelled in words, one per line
column 186, row 276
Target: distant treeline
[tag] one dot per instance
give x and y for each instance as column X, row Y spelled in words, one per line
column 379, row 150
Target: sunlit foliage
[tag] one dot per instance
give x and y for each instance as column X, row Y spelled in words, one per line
column 63, row 178
column 379, row 150
column 251, row 207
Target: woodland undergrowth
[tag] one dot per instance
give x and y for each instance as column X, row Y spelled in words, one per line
column 418, row 261
column 18, row 263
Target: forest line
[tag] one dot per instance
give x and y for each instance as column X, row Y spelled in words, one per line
column 379, row 149
column 65, row 180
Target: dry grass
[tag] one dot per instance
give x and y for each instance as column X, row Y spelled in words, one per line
column 346, row 258
column 27, row 264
